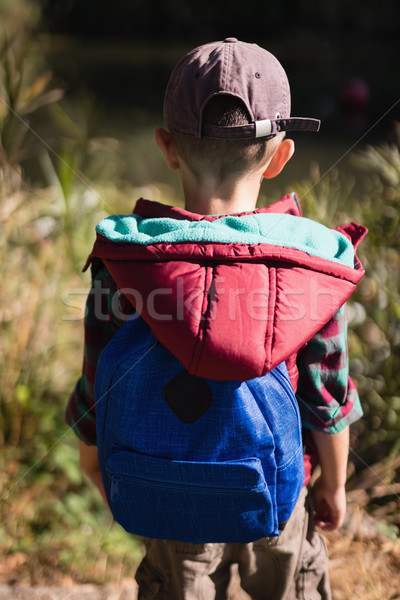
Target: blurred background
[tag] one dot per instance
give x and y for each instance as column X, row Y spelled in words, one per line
column 81, row 90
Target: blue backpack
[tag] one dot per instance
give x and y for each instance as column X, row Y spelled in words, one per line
column 194, row 459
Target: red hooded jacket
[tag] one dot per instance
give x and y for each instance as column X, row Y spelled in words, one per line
column 231, row 309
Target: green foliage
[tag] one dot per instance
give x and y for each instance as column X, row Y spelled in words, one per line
column 371, row 196
column 49, row 514
column 24, row 94
column 55, row 522
column 18, row 15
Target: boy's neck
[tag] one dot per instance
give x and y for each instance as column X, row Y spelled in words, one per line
column 205, row 198
column 206, row 195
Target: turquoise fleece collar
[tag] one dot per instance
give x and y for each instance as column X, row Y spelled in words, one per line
column 261, row 228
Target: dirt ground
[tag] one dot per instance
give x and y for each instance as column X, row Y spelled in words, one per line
column 364, row 565
column 365, row 569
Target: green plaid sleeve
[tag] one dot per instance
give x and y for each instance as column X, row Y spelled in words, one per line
column 328, row 398
column 102, row 320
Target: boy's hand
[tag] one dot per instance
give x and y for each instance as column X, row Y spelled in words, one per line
column 329, row 505
column 328, row 490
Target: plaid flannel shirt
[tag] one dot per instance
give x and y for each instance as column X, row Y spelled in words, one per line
column 328, row 399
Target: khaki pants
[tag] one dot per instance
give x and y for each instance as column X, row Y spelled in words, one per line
column 292, row 566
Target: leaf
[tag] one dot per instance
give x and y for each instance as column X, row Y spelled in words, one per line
column 49, row 97
column 63, row 120
column 37, row 87
column 22, row 394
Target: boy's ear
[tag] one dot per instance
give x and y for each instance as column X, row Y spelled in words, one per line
column 282, row 155
column 166, row 144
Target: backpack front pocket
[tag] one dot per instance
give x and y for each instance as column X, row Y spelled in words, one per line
column 190, row 501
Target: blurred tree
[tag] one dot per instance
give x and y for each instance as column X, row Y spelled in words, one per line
column 179, row 20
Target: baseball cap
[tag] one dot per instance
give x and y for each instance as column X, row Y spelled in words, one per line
column 239, row 69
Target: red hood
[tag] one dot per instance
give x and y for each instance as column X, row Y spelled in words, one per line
column 229, row 311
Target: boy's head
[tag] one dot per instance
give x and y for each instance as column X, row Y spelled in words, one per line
column 227, row 106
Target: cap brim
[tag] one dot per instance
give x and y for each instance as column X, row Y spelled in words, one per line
column 260, row 129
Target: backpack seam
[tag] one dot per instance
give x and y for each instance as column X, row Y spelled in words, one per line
column 271, row 316
column 203, row 320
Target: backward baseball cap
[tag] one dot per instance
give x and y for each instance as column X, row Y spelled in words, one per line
column 239, row 69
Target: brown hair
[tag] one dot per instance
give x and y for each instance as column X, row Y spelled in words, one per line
column 223, row 158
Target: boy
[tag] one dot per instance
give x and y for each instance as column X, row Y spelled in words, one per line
column 227, row 108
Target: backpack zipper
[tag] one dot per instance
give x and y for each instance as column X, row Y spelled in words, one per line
column 115, row 479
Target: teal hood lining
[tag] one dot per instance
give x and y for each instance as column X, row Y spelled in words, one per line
column 276, row 229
